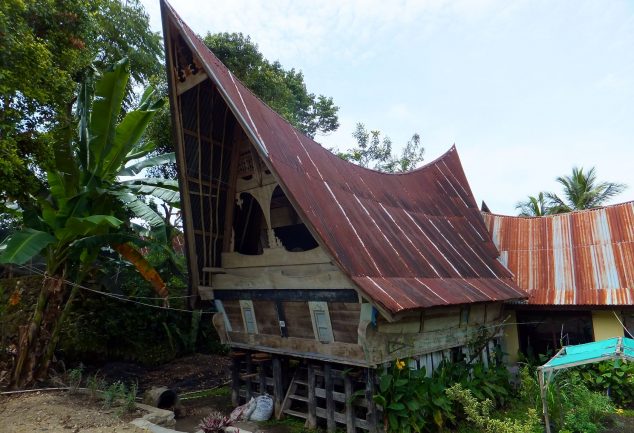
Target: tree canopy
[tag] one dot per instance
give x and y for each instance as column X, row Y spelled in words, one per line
column 48, row 48
column 375, row 152
column 580, row 190
column 86, row 207
column 282, row 89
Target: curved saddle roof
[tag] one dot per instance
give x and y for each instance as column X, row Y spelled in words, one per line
column 408, row 241
column 576, row 258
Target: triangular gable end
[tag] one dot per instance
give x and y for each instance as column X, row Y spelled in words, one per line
column 220, row 160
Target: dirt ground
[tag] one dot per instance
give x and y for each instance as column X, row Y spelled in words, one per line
column 58, row 412
column 64, row 413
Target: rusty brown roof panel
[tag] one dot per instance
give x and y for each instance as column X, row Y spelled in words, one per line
column 408, row 240
column 577, row 258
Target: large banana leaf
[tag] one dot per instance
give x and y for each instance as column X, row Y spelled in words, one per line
column 127, row 140
column 141, row 210
column 96, row 241
column 164, row 189
column 90, row 225
column 136, row 168
column 106, row 108
column 22, row 246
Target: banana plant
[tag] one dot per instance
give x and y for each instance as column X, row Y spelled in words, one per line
column 88, row 206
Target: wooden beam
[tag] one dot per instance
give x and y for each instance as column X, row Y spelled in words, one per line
column 312, row 400
column 235, row 380
column 249, row 386
column 179, row 147
column 327, row 295
column 190, row 82
column 330, row 403
column 372, row 417
column 231, row 191
column 262, row 376
column 278, row 384
column 206, row 183
column 350, row 416
column 281, row 317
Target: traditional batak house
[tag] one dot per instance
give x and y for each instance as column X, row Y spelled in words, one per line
column 320, row 270
column 578, row 269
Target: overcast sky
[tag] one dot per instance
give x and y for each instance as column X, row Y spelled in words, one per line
column 525, row 89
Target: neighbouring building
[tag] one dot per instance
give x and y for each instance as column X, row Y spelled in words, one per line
column 578, row 269
column 318, row 266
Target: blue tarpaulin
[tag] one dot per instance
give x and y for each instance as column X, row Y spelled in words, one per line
column 587, row 353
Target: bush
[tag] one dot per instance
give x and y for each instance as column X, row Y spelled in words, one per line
column 572, row 407
column 100, row 328
column 479, row 413
column 413, row 402
column 613, row 378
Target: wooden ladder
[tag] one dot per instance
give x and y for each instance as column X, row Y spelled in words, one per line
column 292, row 395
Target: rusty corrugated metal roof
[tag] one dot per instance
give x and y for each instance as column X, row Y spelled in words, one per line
column 408, row 241
column 576, row 258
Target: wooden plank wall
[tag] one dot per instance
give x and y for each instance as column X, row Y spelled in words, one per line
column 298, row 321
column 344, row 318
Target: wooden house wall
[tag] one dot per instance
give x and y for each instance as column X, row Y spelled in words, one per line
column 432, row 330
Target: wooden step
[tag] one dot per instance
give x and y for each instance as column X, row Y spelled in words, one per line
column 298, row 397
column 296, row 413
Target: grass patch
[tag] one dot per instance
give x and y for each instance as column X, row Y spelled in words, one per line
column 222, row 391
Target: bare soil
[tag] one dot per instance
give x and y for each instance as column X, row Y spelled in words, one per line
column 59, row 412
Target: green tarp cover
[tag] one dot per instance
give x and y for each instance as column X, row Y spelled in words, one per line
column 583, row 353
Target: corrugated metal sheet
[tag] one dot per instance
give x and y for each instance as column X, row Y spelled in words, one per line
column 407, row 240
column 577, row 258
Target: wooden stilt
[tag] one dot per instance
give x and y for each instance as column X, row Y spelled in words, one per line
column 235, row 380
column 247, row 380
column 372, row 417
column 278, row 384
column 312, row 399
column 262, row 377
column 350, row 417
column 330, row 402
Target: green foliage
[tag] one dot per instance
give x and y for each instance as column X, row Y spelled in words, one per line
column 48, row 48
column 222, row 391
column 534, row 206
column 100, row 328
column 581, row 190
column 84, row 199
column 74, row 379
column 283, row 90
column 479, row 413
column 572, row 407
column 375, row 152
column 412, row 401
column 613, row 378
column 95, row 385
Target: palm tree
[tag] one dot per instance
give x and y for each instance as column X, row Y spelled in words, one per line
column 534, row 206
column 86, row 208
column 582, row 191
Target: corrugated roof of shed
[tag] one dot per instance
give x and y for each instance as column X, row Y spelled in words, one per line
column 408, row 241
column 577, row 258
